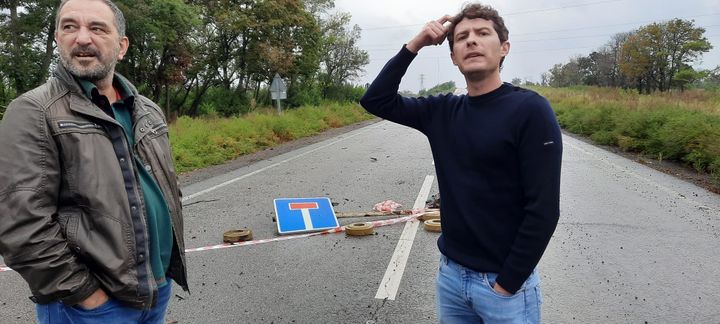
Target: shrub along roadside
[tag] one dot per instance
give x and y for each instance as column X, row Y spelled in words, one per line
column 199, row 143
column 683, row 127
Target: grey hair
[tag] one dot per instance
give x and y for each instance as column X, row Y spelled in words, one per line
column 119, row 17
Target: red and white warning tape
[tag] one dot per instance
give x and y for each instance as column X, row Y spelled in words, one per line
column 378, row 223
column 290, row 237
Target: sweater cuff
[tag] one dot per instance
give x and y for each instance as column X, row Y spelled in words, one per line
column 406, row 52
column 509, row 282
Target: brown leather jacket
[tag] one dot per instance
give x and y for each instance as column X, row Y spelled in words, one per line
column 72, row 216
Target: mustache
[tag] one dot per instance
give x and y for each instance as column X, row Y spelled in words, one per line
column 85, row 50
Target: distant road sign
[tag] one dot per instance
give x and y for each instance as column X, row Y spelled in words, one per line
column 295, row 215
column 278, row 89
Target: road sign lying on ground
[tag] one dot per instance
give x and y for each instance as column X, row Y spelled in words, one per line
column 296, row 215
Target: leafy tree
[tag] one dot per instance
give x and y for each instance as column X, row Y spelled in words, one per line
column 159, row 50
column 565, row 75
column 342, row 60
column 407, row 93
column 288, row 43
column 218, row 55
column 655, row 53
column 443, row 88
column 710, row 79
column 686, row 76
column 26, row 43
column 221, row 56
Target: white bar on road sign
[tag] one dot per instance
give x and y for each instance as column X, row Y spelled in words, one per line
column 306, row 218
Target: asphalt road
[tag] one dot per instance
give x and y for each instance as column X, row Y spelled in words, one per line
column 633, row 245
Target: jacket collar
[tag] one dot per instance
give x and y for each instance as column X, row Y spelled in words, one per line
column 82, row 103
column 62, row 74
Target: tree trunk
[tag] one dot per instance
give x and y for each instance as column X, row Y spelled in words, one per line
column 15, row 75
column 167, row 102
column 157, row 87
column 198, row 99
column 180, row 103
column 48, row 50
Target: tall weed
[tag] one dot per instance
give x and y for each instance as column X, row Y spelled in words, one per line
column 201, row 142
column 678, row 126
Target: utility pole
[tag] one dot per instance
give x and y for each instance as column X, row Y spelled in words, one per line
column 422, row 81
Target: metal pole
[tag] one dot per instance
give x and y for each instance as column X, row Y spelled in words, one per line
column 279, row 106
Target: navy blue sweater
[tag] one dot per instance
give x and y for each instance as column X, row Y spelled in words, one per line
column 497, row 159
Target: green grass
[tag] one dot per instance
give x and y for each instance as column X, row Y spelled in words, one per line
column 677, row 126
column 199, row 143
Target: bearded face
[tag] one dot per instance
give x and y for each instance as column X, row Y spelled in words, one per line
column 87, row 62
column 89, row 42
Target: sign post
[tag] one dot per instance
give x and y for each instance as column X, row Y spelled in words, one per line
column 278, row 91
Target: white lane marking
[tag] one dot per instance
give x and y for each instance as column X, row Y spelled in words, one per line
column 672, row 192
column 391, row 281
column 215, row 187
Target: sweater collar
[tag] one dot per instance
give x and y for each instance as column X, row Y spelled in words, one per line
column 503, row 89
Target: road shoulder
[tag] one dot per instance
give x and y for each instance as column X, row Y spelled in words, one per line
column 191, row 177
column 678, row 170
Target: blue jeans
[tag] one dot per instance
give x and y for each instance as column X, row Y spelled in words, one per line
column 111, row 312
column 467, row 296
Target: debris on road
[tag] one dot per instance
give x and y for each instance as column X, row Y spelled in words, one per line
column 235, row 236
column 359, row 229
column 387, row 205
column 433, row 202
column 432, row 225
column 430, row 214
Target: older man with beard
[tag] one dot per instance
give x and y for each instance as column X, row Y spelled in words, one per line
column 90, row 211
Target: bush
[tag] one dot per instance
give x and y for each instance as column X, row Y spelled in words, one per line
column 226, row 102
column 683, row 127
column 344, row 93
column 201, row 142
column 301, row 94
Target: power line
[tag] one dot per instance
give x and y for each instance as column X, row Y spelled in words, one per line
column 536, row 40
column 512, row 13
column 559, row 8
column 571, row 29
column 621, row 24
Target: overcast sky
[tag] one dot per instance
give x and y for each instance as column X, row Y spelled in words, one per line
column 542, row 32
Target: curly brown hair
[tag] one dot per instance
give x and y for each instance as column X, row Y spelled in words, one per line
column 478, row 10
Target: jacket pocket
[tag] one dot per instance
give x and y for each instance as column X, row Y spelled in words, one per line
column 99, row 241
column 68, row 220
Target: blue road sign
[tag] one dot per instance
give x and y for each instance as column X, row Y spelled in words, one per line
column 295, row 215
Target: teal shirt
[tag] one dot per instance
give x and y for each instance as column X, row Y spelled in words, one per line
column 157, row 213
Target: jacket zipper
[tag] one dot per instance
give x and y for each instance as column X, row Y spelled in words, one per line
column 71, row 124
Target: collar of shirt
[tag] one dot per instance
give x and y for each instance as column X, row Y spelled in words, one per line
column 127, row 98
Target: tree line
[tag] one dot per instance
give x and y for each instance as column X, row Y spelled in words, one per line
column 655, row 57
column 202, row 57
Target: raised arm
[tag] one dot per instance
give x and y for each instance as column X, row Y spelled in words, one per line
column 433, row 33
column 382, row 98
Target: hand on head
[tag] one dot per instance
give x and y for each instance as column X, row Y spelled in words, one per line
column 433, row 33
